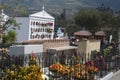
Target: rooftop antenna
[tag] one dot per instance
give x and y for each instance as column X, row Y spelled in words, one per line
column 43, row 8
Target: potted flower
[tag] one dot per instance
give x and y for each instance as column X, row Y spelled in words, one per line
column 79, row 72
column 59, row 69
column 56, row 69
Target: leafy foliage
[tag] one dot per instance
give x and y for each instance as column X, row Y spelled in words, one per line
column 10, row 23
column 89, row 19
column 97, row 19
column 32, row 72
column 8, row 39
column 77, row 71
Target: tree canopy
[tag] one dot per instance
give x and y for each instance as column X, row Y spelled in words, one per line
column 88, row 19
column 102, row 18
column 8, row 38
column 6, row 24
column 95, row 19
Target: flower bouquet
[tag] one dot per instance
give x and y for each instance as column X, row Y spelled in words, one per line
column 59, row 69
column 56, row 69
column 79, row 72
column 92, row 70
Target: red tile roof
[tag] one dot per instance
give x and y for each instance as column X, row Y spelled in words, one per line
column 83, row 33
column 100, row 33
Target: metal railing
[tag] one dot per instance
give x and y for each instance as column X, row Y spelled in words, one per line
column 106, row 64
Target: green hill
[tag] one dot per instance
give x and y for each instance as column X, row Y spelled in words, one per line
column 57, row 6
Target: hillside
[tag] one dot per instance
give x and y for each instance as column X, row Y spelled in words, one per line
column 57, row 6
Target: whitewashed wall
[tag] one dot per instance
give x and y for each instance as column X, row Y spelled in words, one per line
column 23, row 32
column 25, row 49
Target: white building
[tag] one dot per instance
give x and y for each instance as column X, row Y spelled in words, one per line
column 23, row 32
column 39, row 26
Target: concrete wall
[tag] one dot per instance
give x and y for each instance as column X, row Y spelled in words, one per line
column 25, row 49
column 82, row 46
column 86, row 46
column 94, row 45
column 55, row 43
column 16, row 50
column 38, row 46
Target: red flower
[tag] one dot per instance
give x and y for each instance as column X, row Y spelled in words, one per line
column 33, row 55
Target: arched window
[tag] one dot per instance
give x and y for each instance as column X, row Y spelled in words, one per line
column 37, row 23
column 33, row 23
column 39, row 36
column 42, row 36
column 38, row 29
column 43, row 29
column 42, row 24
column 46, row 30
column 49, row 36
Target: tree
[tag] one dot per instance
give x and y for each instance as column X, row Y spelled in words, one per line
column 102, row 18
column 109, row 20
column 72, row 28
column 61, row 19
column 7, row 23
column 33, row 72
column 88, row 19
column 9, row 38
column 108, row 17
column 14, row 8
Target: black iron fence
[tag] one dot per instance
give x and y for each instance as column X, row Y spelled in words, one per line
column 105, row 62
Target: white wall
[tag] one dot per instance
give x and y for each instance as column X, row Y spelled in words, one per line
column 23, row 33
column 34, row 48
column 25, row 49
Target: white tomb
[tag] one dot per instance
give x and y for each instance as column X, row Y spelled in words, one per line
column 41, row 26
column 38, row 26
